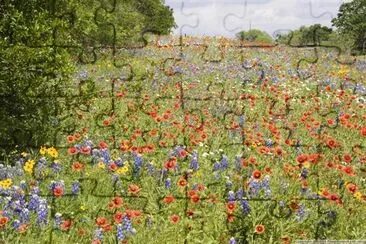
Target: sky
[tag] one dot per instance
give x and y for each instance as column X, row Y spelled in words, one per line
column 227, row 17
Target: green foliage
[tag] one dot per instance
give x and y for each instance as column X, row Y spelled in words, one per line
column 314, row 34
column 307, row 35
column 38, row 39
column 156, row 17
column 107, row 24
column 254, row 35
column 30, row 77
column 351, row 22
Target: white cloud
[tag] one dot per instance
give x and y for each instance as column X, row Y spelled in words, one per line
column 268, row 15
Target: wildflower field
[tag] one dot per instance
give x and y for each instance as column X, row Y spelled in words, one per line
column 208, row 144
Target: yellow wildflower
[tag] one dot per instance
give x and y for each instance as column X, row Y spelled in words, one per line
column 6, row 183
column 52, row 152
column 101, row 165
column 306, row 164
column 82, row 208
column 24, row 154
column 358, row 195
column 28, row 166
column 43, row 150
column 123, row 170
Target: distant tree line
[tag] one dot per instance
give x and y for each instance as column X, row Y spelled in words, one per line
column 349, row 33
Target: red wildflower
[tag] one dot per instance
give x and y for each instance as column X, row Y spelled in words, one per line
column 66, row 224
column 335, row 198
column 348, row 170
column 182, row 182
column 200, row 187
column 116, row 202
column 331, row 143
column 101, row 221
column 325, row 193
column 314, row 158
column 103, row 145
column 22, row 228
column 279, row 151
column 329, row 165
column 259, row 229
column 3, row 221
column 76, row 166
column 257, row 174
column 77, row 136
column 182, row 153
column 195, row 198
column 286, row 239
column 106, row 122
column 230, row 218
column 107, row 227
column 70, row 139
column 352, row 188
column 294, row 205
column 85, row 150
column 174, row 218
column 118, row 216
column 58, row 191
column 191, row 193
column 302, row 158
column 363, row 131
column 113, row 166
column 72, row 150
column 136, row 213
column 171, row 164
column 133, row 189
column 230, row 207
column 169, row 199
column 347, row 158
column 253, row 160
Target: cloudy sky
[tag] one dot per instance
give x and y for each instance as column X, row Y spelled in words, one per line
column 227, row 17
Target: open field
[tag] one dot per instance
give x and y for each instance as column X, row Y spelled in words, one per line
column 253, row 144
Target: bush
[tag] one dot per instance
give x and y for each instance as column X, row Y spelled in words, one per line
column 31, row 78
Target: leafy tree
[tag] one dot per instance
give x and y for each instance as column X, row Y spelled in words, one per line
column 254, row 35
column 31, row 76
column 157, row 17
column 315, row 33
column 307, row 35
column 37, row 41
column 351, row 22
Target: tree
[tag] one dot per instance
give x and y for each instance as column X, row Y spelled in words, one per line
column 31, row 70
column 307, row 35
column 37, row 41
column 254, row 35
column 351, row 22
column 315, row 34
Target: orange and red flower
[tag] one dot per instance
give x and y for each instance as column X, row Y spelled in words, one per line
column 257, row 174
column 66, row 224
column 174, row 219
column 169, row 199
column 3, row 221
column 76, row 166
column 259, row 229
column 133, row 189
